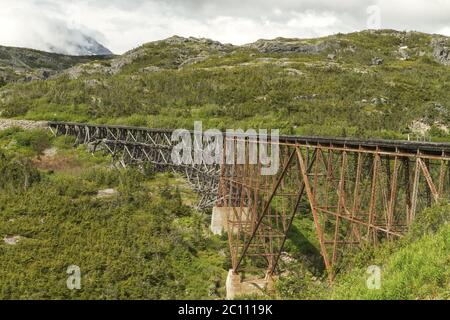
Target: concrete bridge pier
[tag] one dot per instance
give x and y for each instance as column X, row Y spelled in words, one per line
column 237, row 286
column 228, row 219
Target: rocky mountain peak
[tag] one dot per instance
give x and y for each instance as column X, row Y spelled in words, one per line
column 82, row 45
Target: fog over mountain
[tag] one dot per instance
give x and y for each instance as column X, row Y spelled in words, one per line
column 40, row 25
column 79, row 44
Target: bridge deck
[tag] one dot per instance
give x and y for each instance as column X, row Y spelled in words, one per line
column 427, row 148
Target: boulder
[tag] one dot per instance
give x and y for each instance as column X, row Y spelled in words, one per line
column 377, row 61
column 12, row 240
column 379, row 101
column 107, row 193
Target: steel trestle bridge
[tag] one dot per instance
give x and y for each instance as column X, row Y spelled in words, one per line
column 357, row 192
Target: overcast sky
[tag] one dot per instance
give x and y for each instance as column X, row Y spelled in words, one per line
column 124, row 24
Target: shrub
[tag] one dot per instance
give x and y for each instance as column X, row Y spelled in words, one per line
column 17, row 172
column 38, row 140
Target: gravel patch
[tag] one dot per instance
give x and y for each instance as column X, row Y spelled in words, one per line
column 24, row 124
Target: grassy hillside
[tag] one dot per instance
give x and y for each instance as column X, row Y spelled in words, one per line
column 367, row 84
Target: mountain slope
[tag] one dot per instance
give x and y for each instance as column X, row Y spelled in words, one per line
column 370, row 84
column 20, row 64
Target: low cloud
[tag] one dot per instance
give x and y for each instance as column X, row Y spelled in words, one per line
column 41, row 25
column 122, row 25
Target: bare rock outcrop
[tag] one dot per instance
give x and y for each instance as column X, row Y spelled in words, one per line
column 377, row 61
column 211, row 44
column 280, row 45
column 441, row 50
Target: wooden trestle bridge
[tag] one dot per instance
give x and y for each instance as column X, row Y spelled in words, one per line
column 358, row 192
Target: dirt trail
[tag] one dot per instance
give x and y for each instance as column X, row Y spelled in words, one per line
column 25, row 124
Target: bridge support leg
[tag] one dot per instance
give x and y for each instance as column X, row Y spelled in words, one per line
column 236, row 286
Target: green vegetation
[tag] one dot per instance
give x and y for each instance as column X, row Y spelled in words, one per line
column 417, row 267
column 144, row 242
column 174, row 82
